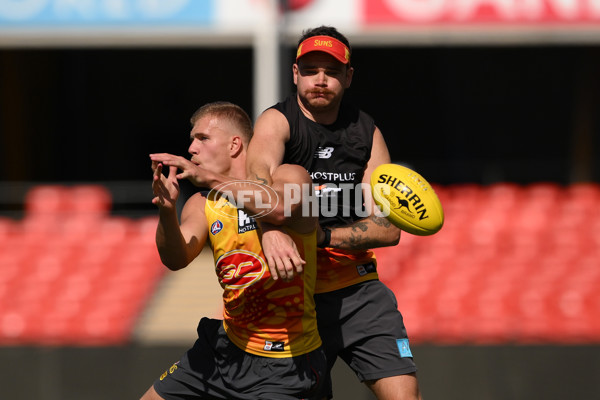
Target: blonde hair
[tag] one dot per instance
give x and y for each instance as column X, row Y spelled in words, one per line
column 226, row 110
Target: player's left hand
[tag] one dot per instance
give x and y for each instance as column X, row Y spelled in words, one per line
column 190, row 171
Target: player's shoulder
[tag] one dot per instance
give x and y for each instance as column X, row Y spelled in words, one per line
column 194, row 208
column 292, row 173
column 272, row 114
column 271, row 123
column 198, row 199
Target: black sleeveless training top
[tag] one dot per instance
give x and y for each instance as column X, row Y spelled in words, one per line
column 334, row 155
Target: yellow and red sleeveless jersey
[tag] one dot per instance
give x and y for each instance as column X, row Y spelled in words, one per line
column 262, row 316
column 337, row 269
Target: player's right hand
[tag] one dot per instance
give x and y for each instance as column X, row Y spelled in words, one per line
column 165, row 188
column 283, row 258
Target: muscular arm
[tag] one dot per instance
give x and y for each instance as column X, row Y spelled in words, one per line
column 365, row 234
column 178, row 244
column 265, row 202
column 279, row 203
column 280, row 250
column 373, row 231
column 291, row 183
column 267, row 147
column 265, row 154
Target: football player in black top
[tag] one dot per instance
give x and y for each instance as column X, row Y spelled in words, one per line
column 340, row 146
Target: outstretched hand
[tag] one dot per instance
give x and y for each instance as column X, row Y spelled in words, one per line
column 165, row 188
column 190, row 171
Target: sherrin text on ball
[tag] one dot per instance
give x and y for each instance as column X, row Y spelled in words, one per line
column 407, row 199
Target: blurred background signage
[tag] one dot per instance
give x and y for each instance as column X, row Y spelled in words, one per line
column 100, row 12
column 365, row 13
column 480, row 11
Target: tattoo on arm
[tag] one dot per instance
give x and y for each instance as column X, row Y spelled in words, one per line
column 360, row 226
column 261, row 180
column 358, row 238
column 381, row 221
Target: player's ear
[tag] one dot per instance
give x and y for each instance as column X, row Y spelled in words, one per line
column 349, row 75
column 235, row 145
column 295, row 72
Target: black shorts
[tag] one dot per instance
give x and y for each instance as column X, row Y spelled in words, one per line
column 215, row 368
column 362, row 325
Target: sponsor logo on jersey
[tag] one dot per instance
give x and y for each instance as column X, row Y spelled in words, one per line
column 274, row 346
column 366, row 268
column 329, row 199
column 246, row 223
column 320, row 176
column 324, row 190
column 238, row 269
column 216, row 227
column 323, row 152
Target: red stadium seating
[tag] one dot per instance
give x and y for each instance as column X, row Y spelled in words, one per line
column 512, row 264
column 71, row 273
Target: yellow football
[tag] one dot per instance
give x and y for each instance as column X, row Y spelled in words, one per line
column 407, row 199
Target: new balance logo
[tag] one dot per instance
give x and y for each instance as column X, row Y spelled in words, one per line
column 323, row 152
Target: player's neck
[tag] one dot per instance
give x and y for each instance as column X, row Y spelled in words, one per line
column 238, row 167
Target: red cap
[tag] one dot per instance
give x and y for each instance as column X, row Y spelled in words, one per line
column 326, row 44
